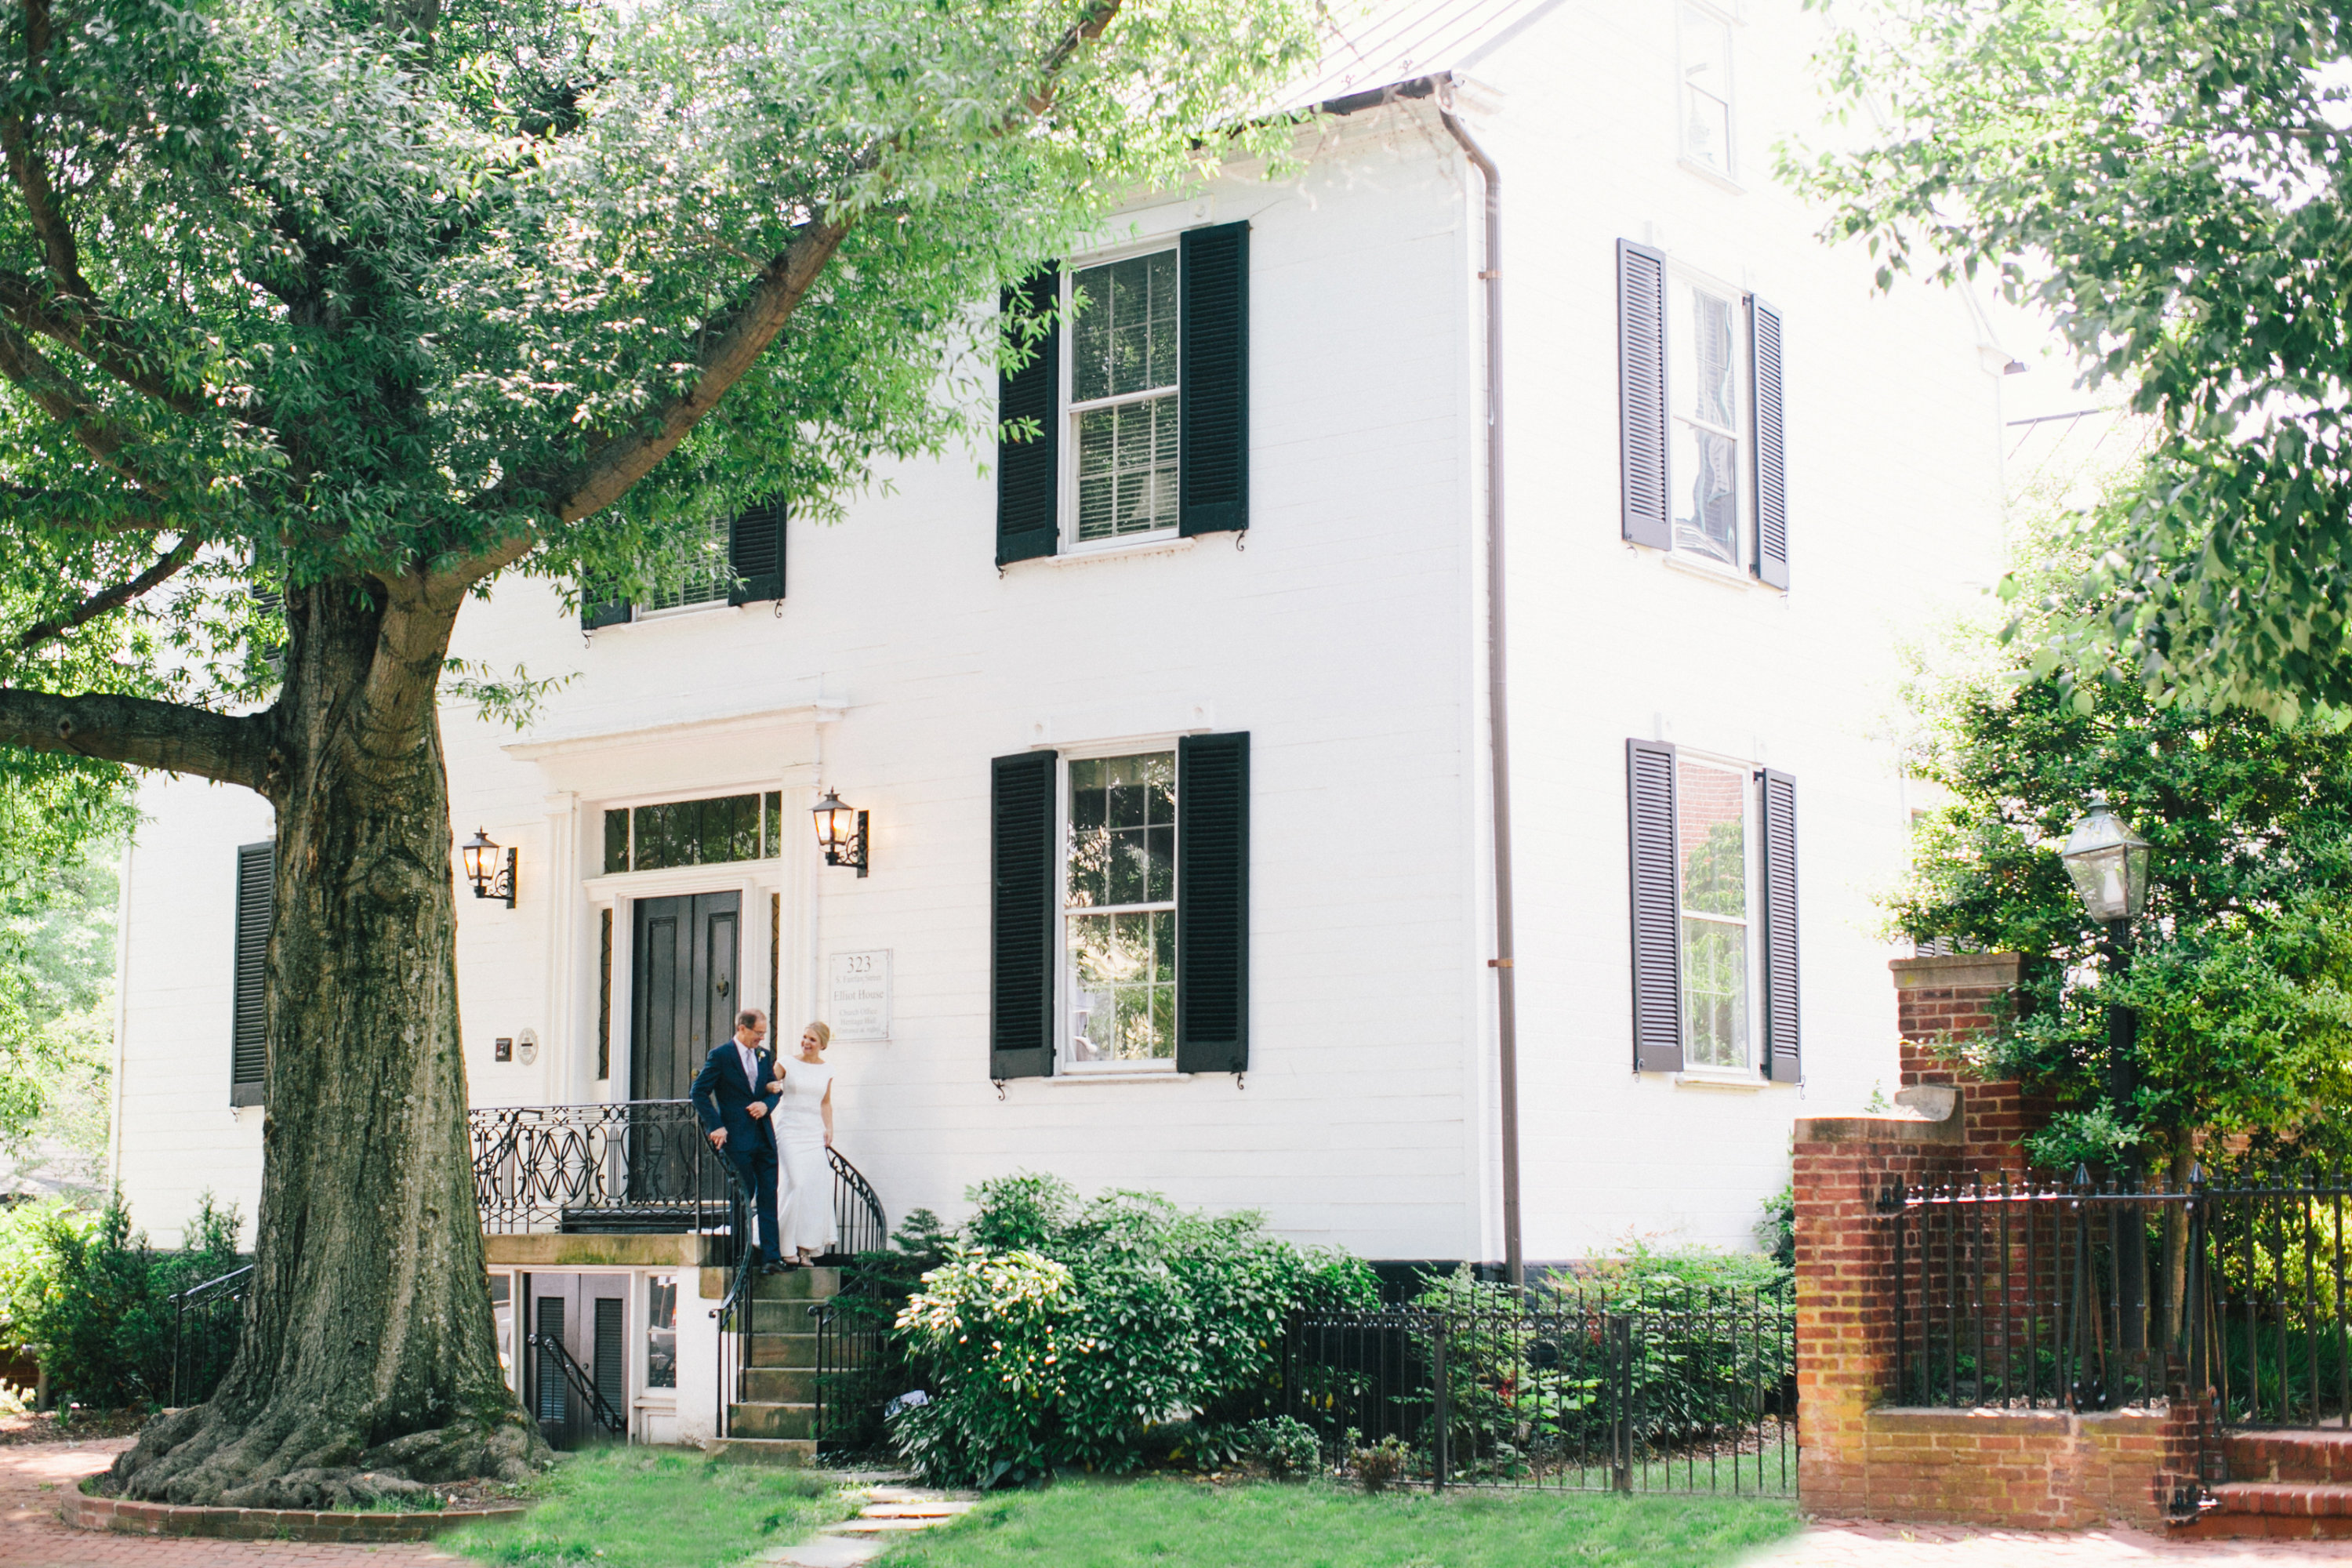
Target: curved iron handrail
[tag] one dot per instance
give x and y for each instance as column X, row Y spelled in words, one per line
column 599, row 1409
column 857, row 1221
column 221, row 1292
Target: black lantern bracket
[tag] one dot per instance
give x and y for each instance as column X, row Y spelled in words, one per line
column 490, row 879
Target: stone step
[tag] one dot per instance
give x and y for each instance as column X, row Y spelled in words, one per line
column 766, row 1419
column 2323, row 1457
column 779, row 1385
column 792, row 1453
column 792, row 1285
column 780, row 1349
column 784, row 1317
column 2299, row 1510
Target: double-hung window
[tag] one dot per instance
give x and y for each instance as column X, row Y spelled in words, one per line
column 1705, row 88
column 1124, row 403
column 1118, row 910
column 1123, row 398
column 737, row 560
column 1714, row 881
column 1703, row 438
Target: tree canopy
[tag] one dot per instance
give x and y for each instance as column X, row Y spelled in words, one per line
column 2169, row 180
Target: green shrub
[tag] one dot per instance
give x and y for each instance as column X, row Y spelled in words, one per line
column 1061, row 1333
column 90, row 1298
column 1285, row 1445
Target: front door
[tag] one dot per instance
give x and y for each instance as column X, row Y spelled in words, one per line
column 686, row 990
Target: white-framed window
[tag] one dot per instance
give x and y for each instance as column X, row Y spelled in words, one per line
column 1121, row 398
column 1715, row 808
column 701, row 573
column 1118, row 910
column 1704, row 465
column 661, row 1330
column 1705, row 88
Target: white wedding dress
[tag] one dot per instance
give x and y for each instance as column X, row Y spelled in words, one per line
column 805, row 1209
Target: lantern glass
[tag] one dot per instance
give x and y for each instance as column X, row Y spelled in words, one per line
column 833, row 823
column 482, row 857
column 2108, row 863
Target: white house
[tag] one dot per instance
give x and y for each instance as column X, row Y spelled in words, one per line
column 1207, row 669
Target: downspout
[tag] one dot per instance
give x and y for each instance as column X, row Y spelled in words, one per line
column 1498, row 695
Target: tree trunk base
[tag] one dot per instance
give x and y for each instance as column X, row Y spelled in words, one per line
column 310, row 1460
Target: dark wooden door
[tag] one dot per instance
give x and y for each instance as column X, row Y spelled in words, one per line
column 686, row 992
column 587, row 1315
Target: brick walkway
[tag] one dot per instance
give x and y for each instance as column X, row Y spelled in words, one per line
column 1845, row 1545
column 33, row 1477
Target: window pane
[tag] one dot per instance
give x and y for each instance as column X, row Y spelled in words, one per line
column 772, row 815
column 690, row 833
column 1711, row 821
column 1715, row 993
column 1706, row 366
column 1706, row 88
column 1122, row 845
column 616, row 841
column 699, row 574
column 1704, row 466
column 661, row 1330
column 1127, row 469
column 502, row 1322
column 1124, row 339
column 1122, row 1009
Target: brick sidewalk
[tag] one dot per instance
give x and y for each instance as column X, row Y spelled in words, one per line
column 1853, row 1546
column 33, row 1477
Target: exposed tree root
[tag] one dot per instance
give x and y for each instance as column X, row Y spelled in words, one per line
column 201, row 1457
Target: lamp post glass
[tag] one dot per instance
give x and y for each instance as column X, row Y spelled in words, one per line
column 2108, row 863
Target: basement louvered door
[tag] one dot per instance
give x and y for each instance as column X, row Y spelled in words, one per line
column 1656, row 907
column 249, row 986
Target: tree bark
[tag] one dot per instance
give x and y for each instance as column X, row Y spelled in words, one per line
column 369, row 1360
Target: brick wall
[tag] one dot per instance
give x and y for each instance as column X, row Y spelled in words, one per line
column 1862, row 1454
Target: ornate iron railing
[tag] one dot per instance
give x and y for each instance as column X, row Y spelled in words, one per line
column 636, row 1165
column 207, row 1321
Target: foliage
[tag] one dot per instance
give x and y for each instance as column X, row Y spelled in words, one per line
column 655, row 1508
column 91, row 1299
column 2168, row 180
column 2240, row 974
column 1381, row 1465
column 1147, row 1523
column 56, row 982
column 1776, row 1232
column 1285, row 1444
column 1057, row 1333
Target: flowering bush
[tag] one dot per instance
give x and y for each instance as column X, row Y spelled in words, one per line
column 1059, row 1334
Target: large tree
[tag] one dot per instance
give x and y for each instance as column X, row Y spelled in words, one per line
column 365, row 304
column 2172, row 180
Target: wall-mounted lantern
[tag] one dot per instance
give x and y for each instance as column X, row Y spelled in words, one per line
column 482, row 869
column 841, row 833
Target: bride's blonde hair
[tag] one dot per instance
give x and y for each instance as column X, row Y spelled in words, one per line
column 823, row 1031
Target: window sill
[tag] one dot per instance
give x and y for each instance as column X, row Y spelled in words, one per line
column 1115, row 1074
column 1711, row 176
column 1128, row 550
column 1746, row 1080
column 1721, row 576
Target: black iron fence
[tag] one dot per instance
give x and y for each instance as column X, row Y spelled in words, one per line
column 637, row 1166
column 1555, row 1390
column 2093, row 1296
column 207, row 1321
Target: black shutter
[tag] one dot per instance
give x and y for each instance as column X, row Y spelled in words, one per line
column 1024, row 869
column 1641, row 391
column 1657, row 907
column 1213, row 374
column 1213, row 809
column 1781, row 1061
column 1769, row 470
column 755, row 553
column 596, row 610
column 1029, row 472
column 248, row 1052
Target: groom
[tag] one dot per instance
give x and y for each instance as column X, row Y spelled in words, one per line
column 730, row 1098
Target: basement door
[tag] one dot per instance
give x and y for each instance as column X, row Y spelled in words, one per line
column 587, row 1315
column 686, row 993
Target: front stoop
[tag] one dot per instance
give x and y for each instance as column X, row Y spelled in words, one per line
column 772, row 1418
column 2288, row 1485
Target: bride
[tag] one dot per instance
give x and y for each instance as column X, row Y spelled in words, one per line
column 804, row 1125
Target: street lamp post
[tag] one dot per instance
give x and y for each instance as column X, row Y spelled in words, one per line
column 2109, row 862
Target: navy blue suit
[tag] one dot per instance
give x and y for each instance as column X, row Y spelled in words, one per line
column 723, row 1098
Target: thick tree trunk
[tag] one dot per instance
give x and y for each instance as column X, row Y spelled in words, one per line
column 368, row 1361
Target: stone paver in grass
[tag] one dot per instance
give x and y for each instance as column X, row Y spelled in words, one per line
column 1837, row 1544
column 890, row 1512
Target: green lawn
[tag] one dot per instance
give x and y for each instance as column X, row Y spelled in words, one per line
column 655, row 1508
column 1163, row 1523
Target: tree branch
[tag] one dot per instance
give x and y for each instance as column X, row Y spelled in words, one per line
column 112, row 598
column 59, row 252
column 78, row 327
column 143, row 733
column 22, row 363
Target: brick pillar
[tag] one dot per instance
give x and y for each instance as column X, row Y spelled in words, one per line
column 1845, row 1279
column 1941, row 1004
